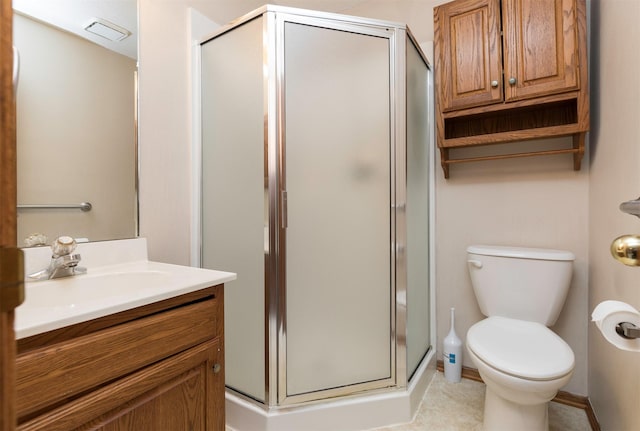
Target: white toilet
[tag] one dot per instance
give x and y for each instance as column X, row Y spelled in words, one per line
column 522, row 362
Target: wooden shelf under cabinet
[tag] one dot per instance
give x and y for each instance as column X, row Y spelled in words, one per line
column 480, row 45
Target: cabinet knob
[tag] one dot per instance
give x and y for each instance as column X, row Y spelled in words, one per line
column 512, row 81
column 494, row 83
column 216, row 368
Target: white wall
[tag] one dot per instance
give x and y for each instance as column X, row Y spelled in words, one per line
column 539, row 202
column 614, row 375
column 75, row 103
column 165, row 130
column 165, row 89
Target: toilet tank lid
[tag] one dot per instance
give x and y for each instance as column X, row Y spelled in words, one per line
column 521, row 252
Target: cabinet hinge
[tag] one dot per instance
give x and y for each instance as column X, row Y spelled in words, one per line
column 11, row 278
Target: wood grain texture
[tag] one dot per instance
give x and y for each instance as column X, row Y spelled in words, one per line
column 561, row 98
column 470, row 53
column 8, row 194
column 7, row 372
column 511, row 156
column 8, row 201
column 172, row 392
column 60, row 371
column 157, row 367
column 544, row 49
column 513, row 136
column 525, row 119
column 541, row 50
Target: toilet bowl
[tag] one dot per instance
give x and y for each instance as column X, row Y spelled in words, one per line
column 523, row 364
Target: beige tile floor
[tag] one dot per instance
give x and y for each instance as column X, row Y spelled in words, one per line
column 458, row 407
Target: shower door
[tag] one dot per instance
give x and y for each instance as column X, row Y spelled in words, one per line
column 234, row 206
column 315, row 192
column 336, row 193
column 417, row 214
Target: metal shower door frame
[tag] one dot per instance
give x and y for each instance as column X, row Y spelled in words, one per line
column 275, row 262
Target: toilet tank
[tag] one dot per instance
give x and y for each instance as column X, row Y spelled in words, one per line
column 520, row 283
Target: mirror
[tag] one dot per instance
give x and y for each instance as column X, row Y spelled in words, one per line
column 76, row 119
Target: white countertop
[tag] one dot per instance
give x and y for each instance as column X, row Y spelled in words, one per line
column 121, row 285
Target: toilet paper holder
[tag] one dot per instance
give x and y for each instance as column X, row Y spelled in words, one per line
column 628, row 330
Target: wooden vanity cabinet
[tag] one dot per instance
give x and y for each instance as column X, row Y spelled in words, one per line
column 157, row 367
column 509, row 70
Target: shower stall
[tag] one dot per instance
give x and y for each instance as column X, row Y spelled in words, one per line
column 316, row 184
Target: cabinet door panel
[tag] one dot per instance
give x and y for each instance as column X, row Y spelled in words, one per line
column 177, row 405
column 180, row 393
column 541, row 50
column 469, row 58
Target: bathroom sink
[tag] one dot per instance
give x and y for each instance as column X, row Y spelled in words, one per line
column 69, row 291
column 53, row 304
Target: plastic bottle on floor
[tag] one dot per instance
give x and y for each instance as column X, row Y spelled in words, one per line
column 452, row 348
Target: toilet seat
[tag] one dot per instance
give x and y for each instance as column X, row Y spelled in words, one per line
column 520, row 348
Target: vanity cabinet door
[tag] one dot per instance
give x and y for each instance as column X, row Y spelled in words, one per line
column 175, row 405
column 183, row 392
column 186, row 401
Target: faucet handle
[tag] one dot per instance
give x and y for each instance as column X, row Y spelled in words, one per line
column 63, row 245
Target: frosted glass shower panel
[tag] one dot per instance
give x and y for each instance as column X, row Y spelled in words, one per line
column 233, row 194
column 338, row 180
column 418, row 138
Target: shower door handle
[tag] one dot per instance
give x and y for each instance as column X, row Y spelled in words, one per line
column 283, row 209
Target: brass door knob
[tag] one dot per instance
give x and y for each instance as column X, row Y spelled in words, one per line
column 626, row 249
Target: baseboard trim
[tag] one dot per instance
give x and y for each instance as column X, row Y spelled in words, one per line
column 563, row 397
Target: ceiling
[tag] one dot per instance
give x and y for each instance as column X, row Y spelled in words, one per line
column 74, row 15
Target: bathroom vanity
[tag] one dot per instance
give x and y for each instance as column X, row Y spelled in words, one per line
column 154, row 367
column 145, row 358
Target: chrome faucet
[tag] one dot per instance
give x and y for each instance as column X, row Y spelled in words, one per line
column 64, row 262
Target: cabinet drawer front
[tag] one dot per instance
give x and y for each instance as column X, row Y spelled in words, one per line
column 468, row 53
column 61, row 371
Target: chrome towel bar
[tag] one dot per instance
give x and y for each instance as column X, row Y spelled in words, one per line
column 82, row 206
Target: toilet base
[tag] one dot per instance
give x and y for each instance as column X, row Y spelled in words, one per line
column 501, row 414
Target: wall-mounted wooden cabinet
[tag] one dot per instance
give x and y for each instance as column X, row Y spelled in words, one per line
column 510, row 70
